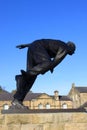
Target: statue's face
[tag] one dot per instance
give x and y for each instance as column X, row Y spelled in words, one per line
column 71, row 48
column 71, row 52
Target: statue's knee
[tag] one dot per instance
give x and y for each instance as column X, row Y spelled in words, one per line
column 18, row 77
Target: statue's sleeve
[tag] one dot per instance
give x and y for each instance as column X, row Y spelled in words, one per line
column 59, row 57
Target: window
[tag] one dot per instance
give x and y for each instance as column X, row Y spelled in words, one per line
column 5, row 106
column 64, row 106
column 40, row 106
column 47, row 106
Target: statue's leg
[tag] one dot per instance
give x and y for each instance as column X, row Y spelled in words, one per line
column 42, row 64
column 38, row 60
column 39, row 69
column 23, row 86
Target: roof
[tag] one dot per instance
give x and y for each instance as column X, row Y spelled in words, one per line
column 81, row 89
column 5, row 96
column 64, row 98
column 31, row 96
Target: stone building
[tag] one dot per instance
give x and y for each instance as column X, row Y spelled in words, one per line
column 37, row 100
column 45, row 101
column 77, row 97
column 5, row 99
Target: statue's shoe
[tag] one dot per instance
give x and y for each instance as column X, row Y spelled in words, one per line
column 18, row 105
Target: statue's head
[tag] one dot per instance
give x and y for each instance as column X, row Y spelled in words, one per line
column 71, row 47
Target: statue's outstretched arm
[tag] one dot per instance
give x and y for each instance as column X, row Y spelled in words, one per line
column 22, row 46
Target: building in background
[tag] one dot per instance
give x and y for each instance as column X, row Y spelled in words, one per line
column 78, row 95
column 76, row 98
column 45, row 101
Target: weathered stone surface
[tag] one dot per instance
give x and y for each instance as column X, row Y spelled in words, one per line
column 18, row 119
column 44, row 121
column 80, row 117
column 32, row 127
column 14, row 127
column 62, row 117
column 76, row 126
column 2, row 119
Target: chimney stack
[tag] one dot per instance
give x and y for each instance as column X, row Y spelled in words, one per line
column 56, row 95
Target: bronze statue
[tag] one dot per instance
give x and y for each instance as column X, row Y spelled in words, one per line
column 42, row 56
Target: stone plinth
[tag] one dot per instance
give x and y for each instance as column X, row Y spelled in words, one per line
column 44, row 121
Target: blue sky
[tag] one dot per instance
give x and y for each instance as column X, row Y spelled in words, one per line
column 23, row 21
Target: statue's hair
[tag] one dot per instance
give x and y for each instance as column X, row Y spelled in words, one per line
column 71, row 45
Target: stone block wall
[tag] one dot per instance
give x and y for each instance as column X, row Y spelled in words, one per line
column 44, row 121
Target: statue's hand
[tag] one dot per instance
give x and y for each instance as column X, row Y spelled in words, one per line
column 20, row 46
